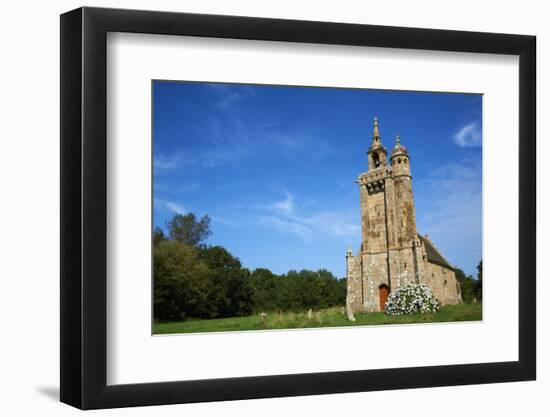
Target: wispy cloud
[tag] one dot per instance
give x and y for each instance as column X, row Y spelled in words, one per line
column 467, row 169
column 229, row 95
column 449, row 209
column 188, row 187
column 285, row 217
column 468, row 136
column 169, row 206
column 229, row 140
column 225, row 221
column 162, row 162
column 306, row 142
column 230, row 99
column 288, row 226
column 229, row 136
column 284, row 206
column 176, row 189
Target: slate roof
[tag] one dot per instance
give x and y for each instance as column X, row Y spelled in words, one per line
column 434, row 255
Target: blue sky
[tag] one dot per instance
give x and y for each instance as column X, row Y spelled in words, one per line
column 274, row 167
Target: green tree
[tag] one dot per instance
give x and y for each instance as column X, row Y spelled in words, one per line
column 479, row 285
column 296, row 291
column 468, row 286
column 181, row 281
column 185, row 228
column 265, row 287
column 195, row 280
column 333, row 290
column 229, row 292
column 158, row 236
column 309, row 291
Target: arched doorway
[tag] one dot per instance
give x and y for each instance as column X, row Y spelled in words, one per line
column 383, row 292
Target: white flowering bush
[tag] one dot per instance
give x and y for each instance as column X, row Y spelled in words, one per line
column 411, row 298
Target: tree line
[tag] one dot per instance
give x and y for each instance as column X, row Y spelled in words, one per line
column 192, row 279
column 195, row 280
column 472, row 289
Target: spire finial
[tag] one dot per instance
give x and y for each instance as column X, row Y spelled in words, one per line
column 375, row 131
column 397, row 140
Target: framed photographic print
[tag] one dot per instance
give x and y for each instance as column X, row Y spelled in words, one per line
column 258, row 207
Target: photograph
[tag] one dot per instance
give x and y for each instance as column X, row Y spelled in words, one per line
column 292, row 207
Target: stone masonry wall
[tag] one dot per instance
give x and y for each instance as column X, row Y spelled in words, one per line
column 375, row 274
column 442, row 281
column 354, row 286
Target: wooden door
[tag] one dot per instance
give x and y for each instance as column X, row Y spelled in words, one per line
column 383, row 292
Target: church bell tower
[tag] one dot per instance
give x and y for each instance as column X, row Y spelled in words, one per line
column 392, row 252
column 388, row 224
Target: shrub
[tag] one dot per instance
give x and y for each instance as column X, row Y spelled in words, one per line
column 411, row 298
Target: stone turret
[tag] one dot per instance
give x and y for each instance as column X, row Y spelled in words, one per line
column 405, row 224
column 400, row 159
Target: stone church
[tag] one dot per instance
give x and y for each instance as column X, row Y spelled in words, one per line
column 392, row 251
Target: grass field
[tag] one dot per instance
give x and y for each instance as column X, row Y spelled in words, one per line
column 326, row 318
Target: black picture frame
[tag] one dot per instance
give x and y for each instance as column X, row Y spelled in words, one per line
column 84, row 207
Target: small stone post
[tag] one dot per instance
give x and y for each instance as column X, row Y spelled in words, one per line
column 349, row 294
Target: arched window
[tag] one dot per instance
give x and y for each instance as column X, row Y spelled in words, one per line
column 376, row 160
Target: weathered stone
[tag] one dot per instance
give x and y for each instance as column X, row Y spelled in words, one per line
column 392, row 251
